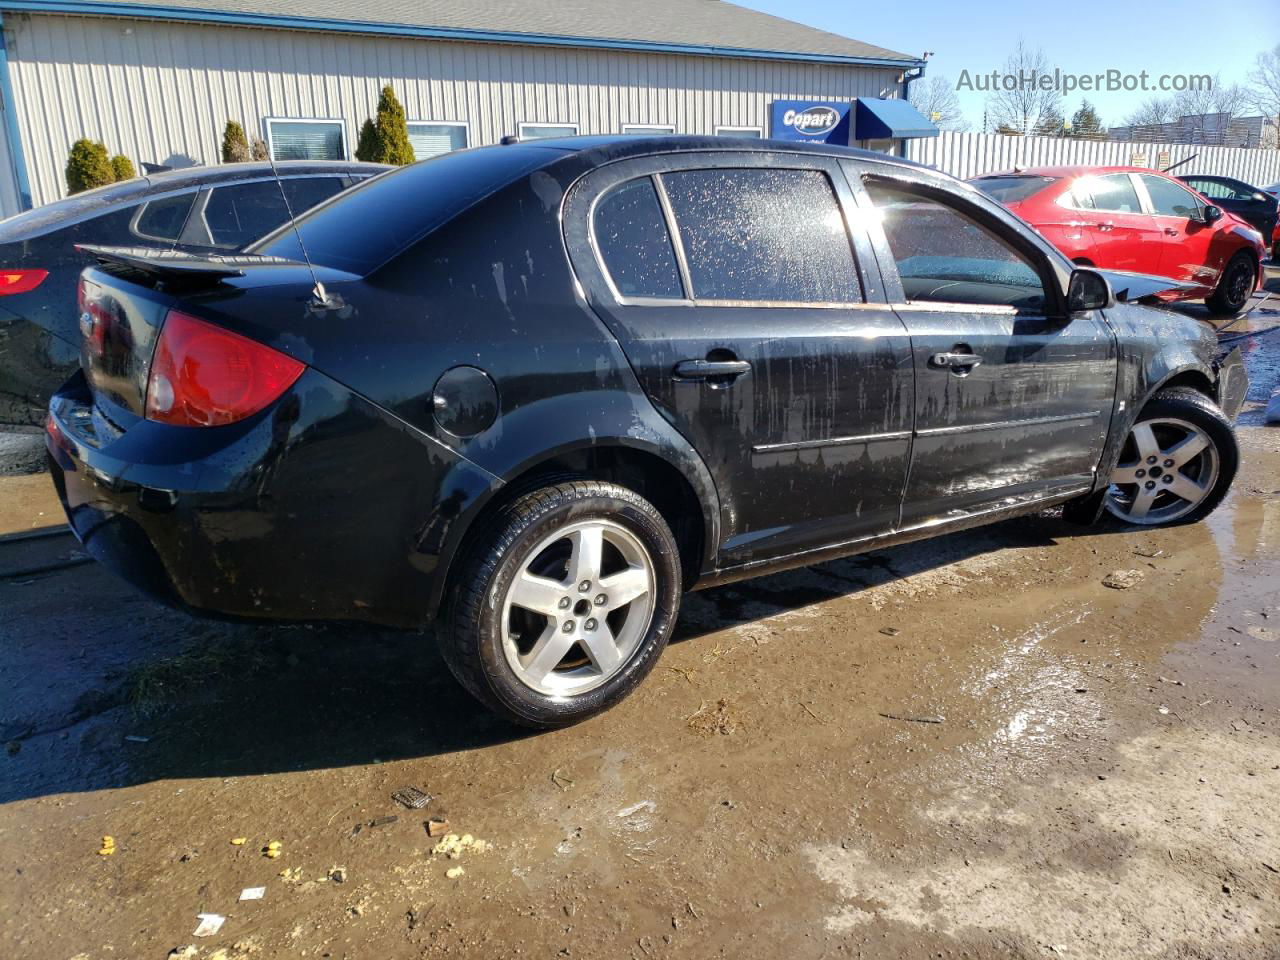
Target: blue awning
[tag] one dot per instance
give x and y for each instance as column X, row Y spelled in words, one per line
column 889, row 119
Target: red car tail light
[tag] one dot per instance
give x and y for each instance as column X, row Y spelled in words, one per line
column 205, row 376
column 20, row 281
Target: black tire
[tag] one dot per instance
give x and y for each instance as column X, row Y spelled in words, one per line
column 1192, row 406
column 1235, row 286
column 471, row 635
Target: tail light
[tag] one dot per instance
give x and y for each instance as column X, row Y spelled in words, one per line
column 20, row 281
column 205, row 376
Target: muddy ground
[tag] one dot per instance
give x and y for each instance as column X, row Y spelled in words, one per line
column 968, row 747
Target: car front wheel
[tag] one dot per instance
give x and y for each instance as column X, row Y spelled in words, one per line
column 1235, row 286
column 1177, row 462
column 564, row 603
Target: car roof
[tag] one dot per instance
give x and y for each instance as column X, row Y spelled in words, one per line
column 622, row 146
column 1079, row 170
column 93, row 203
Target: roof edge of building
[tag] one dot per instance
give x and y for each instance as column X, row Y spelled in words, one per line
column 148, row 11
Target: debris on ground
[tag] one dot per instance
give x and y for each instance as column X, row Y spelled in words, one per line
column 437, row 827
column 210, row 924
column 272, row 849
column 560, row 780
column 184, row 953
column 108, row 846
column 898, row 716
column 453, row 846
column 383, row 821
column 1123, row 579
column 1149, row 552
column 453, row 873
column 253, row 893
column 411, row 797
column 239, row 841
column 637, row 807
column 719, row 719
column 890, row 631
column 291, row 874
column 337, row 874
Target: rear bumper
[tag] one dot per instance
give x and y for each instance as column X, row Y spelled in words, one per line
column 1233, row 382
column 323, row 507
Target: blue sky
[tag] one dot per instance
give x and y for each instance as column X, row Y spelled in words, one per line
column 1084, row 36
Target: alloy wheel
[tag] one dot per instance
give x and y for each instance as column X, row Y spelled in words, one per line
column 1239, row 284
column 578, row 608
column 1167, row 467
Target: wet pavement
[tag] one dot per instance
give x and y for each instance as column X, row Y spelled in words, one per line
column 968, row 747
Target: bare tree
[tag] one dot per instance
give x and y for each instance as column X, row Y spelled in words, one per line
column 935, row 97
column 1206, row 113
column 1021, row 103
column 1264, row 89
column 1152, row 111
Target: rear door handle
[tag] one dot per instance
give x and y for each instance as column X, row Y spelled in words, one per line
column 1105, row 225
column 1171, row 231
column 705, row 369
column 944, row 361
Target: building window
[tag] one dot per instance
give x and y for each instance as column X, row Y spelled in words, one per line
column 433, row 139
column 647, row 129
column 541, row 131
column 306, row 139
column 742, row 133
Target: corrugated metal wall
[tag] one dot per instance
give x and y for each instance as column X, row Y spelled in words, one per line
column 159, row 91
column 969, row 154
column 9, row 202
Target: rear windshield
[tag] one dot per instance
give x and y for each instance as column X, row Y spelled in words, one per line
column 1012, row 189
column 361, row 229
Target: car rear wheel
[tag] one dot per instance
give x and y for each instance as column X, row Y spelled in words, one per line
column 564, row 603
column 1235, row 286
column 1177, row 462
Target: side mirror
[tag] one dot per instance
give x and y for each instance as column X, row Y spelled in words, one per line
column 1088, row 290
column 1212, row 214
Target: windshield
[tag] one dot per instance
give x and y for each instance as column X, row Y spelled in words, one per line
column 361, row 229
column 1012, row 189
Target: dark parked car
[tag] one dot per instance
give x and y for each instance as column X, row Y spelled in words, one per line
column 1254, row 205
column 540, row 390
column 200, row 208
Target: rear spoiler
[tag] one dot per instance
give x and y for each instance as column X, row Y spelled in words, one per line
column 1141, row 287
column 180, row 265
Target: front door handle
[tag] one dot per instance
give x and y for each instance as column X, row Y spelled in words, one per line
column 708, row 369
column 1171, row 231
column 954, row 361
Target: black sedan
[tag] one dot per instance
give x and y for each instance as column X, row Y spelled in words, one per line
column 1254, row 205
column 537, row 391
column 201, row 208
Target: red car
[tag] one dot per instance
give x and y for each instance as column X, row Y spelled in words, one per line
column 1135, row 219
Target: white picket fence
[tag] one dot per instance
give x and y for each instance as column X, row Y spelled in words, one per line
column 967, row 155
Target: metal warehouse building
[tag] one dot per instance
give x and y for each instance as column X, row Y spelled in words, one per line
column 157, row 82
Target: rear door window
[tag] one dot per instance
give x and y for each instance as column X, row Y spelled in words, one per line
column 164, row 218
column 241, row 213
column 763, row 235
column 944, row 255
column 630, row 233
column 1114, row 193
